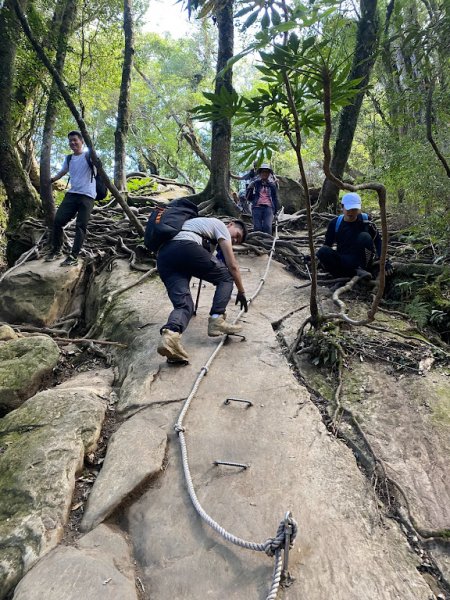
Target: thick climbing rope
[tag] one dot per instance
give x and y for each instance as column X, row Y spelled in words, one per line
column 287, row 530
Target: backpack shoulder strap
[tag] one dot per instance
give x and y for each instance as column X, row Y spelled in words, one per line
column 88, row 158
column 338, row 222
column 364, row 216
column 90, row 163
column 69, row 158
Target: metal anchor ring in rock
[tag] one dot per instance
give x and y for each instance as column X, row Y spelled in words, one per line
column 346, row 547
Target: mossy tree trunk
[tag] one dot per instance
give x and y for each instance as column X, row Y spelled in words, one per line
column 22, row 198
column 123, row 109
column 221, row 130
column 363, row 61
column 217, row 190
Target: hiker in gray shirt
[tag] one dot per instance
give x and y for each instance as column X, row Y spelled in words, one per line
column 79, row 200
column 185, row 256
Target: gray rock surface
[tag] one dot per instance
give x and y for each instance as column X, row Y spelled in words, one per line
column 345, row 548
column 134, row 318
column 407, row 420
column 98, row 567
column 135, row 455
column 24, row 364
column 168, row 192
column 37, row 292
column 291, row 194
column 42, row 448
column 7, row 333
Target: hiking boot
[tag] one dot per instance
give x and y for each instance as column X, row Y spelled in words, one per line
column 70, row 261
column 219, row 326
column 363, row 274
column 53, row 255
column 170, row 346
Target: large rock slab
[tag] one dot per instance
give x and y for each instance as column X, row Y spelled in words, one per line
column 134, row 318
column 407, row 420
column 42, row 448
column 24, row 364
column 405, row 417
column 291, row 195
column 294, row 465
column 135, row 455
column 168, row 192
column 37, row 292
column 98, row 566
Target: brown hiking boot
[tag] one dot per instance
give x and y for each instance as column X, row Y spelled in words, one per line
column 219, row 326
column 170, row 346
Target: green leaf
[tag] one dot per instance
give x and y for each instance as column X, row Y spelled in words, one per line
column 286, row 26
column 251, row 19
column 308, row 42
column 243, row 11
column 276, row 19
column 207, row 8
column 265, row 21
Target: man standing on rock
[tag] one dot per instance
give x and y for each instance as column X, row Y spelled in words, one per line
column 79, row 200
column 357, row 242
column 185, row 256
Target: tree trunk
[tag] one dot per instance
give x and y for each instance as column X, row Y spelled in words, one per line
column 123, row 111
column 64, row 18
column 22, row 198
column 363, row 61
column 219, row 182
column 27, row 156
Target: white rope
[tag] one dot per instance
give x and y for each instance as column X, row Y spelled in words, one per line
column 272, row 546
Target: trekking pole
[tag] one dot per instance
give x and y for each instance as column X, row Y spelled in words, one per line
column 198, row 295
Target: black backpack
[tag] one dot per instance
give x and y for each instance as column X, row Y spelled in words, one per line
column 164, row 223
column 100, row 188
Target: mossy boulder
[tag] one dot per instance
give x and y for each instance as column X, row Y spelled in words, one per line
column 42, row 445
column 37, row 292
column 24, row 364
column 291, row 195
column 7, row 333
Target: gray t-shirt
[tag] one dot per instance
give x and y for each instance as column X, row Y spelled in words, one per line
column 203, row 227
column 81, row 179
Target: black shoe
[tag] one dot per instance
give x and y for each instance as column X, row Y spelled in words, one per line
column 53, row 255
column 70, row 261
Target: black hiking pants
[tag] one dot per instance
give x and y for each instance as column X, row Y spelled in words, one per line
column 73, row 204
column 177, row 262
column 345, row 265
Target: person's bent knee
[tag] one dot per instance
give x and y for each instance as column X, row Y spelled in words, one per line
column 324, row 252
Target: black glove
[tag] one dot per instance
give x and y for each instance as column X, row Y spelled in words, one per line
column 242, row 300
column 388, row 268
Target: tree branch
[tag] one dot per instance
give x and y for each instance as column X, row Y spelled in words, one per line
column 428, row 119
column 186, row 130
